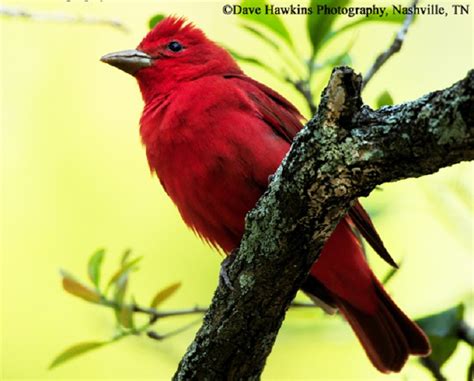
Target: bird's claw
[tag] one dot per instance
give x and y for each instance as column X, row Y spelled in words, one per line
column 224, row 279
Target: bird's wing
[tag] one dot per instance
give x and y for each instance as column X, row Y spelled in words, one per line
column 285, row 120
column 363, row 223
column 278, row 113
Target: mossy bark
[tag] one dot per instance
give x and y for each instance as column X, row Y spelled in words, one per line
column 344, row 152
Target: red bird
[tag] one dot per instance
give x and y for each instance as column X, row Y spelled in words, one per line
column 214, row 136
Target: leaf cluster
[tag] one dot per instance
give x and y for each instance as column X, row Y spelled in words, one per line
column 113, row 294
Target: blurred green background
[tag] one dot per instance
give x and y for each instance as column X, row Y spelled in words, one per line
column 75, row 178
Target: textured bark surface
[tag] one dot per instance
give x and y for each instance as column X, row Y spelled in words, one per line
column 344, row 152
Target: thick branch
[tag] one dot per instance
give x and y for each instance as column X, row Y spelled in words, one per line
column 343, row 153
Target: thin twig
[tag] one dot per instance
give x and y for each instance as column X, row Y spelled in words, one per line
column 394, row 47
column 152, row 312
column 156, row 336
column 155, row 314
column 60, row 17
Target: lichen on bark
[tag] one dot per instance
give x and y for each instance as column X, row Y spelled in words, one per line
column 343, row 153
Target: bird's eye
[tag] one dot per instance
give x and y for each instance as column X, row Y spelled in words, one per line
column 175, row 46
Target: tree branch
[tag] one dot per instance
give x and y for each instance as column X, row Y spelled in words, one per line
column 433, row 367
column 60, row 17
column 344, row 152
column 393, row 48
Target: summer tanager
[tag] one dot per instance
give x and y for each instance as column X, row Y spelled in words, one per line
column 214, row 136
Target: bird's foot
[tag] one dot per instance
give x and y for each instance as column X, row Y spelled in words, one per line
column 224, row 279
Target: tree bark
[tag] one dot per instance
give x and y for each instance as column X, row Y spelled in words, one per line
column 343, row 153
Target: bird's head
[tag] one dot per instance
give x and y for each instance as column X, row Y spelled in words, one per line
column 173, row 52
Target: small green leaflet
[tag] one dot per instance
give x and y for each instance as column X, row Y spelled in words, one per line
column 164, row 294
column 78, row 289
column 252, row 60
column 391, row 273
column 320, row 25
column 119, row 296
column 125, row 256
column 125, row 316
column 261, row 35
column 125, row 267
column 155, row 20
column 76, row 350
column 94, row 265
column 384, row 99
column 270, row 21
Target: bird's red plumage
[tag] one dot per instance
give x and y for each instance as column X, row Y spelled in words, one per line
column 214, row 136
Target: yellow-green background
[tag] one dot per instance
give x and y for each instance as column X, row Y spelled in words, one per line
column 75, row 178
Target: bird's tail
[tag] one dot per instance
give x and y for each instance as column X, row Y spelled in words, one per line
column 342, row 280
column 387, row 335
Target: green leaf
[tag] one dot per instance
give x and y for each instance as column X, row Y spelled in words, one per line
column 320, row 25
column 76, row 350
column 122, row 270
column 121, row 288
column 443, row 324
column 442, row 348
column 155, row 20
column 119, row 295
column 125, row 317
column 342, row 58
column 270, row 21
column 252, row 60
column 78, row 289
column 125, row 256
column 94, row 265
column 164, row 294
column 261, row 35
column 391, row 273
column 442, row 329
column 391, row 18
column 384, row 99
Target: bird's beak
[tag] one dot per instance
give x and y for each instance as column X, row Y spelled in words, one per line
column 130, row 61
